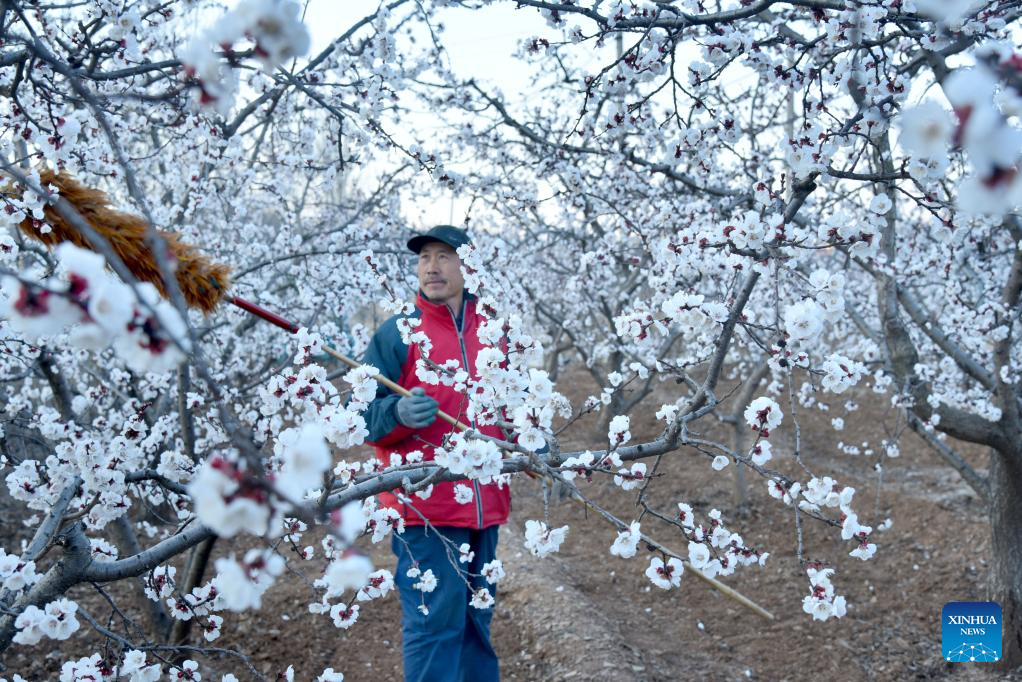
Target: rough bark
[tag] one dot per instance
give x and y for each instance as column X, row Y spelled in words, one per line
column 197, row 563
column 157, row 617
column 740, row 438
column 65, row 573
column 1006, row 546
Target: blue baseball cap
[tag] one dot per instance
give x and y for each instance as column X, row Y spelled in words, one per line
column 445, row 234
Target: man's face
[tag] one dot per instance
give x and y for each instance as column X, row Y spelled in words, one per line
column 439, row 271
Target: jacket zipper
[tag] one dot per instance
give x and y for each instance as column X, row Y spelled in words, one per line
column 464, row 358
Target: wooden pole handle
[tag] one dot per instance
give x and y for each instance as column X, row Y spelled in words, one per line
column 400, row 390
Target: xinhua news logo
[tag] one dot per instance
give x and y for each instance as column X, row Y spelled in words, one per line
column 971, row 632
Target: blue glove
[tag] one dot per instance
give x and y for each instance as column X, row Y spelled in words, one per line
column 417, row 410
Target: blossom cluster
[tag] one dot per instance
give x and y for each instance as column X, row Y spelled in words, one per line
column 715, row 550
column 56, row 620
column 825, row 492
column 227, row 500
column 979, row 125
column 764, row 415
column 240, row 585
column 146, row 332
column 101, row 461
column 541, row 540
column 822, row 602
column 16, row 573
column 473, row 458
column 201, row 603
column 273, row 27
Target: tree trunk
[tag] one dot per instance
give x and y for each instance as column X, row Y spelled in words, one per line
column 197, row 563
column 740, row 437
column 156, row 615
column 1006, row 546
column 64, row 574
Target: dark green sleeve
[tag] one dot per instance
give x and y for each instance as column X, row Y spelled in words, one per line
column 387, row 353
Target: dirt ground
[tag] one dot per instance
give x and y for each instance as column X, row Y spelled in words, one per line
column 583, row 614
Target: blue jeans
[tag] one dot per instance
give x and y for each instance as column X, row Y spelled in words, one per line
column 452, row 643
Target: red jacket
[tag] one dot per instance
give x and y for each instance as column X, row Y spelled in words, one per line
column 396, row 360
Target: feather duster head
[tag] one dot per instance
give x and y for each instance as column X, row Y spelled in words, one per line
column 202, row 282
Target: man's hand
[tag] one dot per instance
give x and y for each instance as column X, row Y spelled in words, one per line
column 417, row 410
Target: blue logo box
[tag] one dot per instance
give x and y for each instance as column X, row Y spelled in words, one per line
column 971, row 632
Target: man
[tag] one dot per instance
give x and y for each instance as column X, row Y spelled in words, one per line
column 445, row 638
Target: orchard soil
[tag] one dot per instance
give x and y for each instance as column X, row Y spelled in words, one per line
column 583, row 614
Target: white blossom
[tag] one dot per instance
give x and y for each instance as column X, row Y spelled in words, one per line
column 220, row 503
column 632, row 478
column 305, row 458
column 619, row 433
column 541, row 540
column 345, row 573
column 926, row 130
column 481, row 599
column 493, row 571
column 462, row 494
column 763, row 413
column 803, row 321
column 627, row 542
column 665, row 575
column 344, row 616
